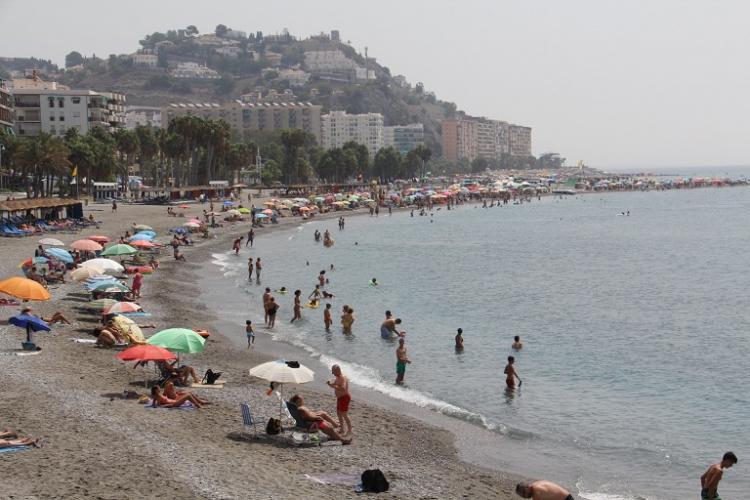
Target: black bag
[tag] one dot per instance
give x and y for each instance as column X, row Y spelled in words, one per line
column 210, row 377
column 273, row 427
column 374, row 481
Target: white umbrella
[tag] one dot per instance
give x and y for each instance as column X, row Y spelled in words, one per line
column 53, row 242
column 84, row 273
column 109, row 266
column 283, row 372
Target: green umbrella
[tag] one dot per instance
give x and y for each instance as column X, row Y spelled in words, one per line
column 142, row 227
column 110, row 286
column 100, row 304
column 178, row 340
column 119, row 249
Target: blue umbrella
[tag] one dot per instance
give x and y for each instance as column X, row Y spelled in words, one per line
column 31, row 323
column 90, row 286
column 261, row 216
column 228, row 202
column 60, row 254
column 178, row 230
column 141, row 236
column 40, row 260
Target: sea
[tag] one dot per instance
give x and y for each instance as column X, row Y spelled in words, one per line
column 636, row 328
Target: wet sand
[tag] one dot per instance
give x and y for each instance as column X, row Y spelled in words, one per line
column 97, row 444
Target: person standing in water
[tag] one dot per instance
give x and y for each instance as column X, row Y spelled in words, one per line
column 257, row 269
column 236, row 245
column 710, row 479
column 250, row 237
column 347, row 319
column 510, row 374
column 327, row 320
column 297, row 306
column 460, row 340
column 517, row 344
column 401, row 361
column 266, row 300
column 250, row 268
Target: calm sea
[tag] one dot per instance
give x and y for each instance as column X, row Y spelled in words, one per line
column 636, row 328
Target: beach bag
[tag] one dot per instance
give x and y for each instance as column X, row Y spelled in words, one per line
column 273, row 427
column 210, row 377
column 374, row 481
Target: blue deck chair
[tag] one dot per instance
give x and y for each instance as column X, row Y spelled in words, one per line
column 248, row 420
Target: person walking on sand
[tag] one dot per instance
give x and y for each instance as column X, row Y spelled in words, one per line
column 236, row 245
column 297, row 306
column 250, row 333
column 327, row 320
column 266, row 299
column 510, row 374
column 250, row 269
column 543, row 490
column 340, row 386
column 401, row 361
column 250, row 238
column 137, row 283
column 710, row 479
column 114, row 206
column 257, row 269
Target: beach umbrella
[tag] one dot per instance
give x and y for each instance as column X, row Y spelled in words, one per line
column 142, row 244
column 109, row 266
column 183, row 206
column 142, row 227
column 283, row 372
column 51, row 242
column 228, row 203
column 111, row 287
column 127, row 325
column 145, row 352
column 33, row 260
column 84, row 273
column 119, row 249
column 60, row 254
column 192, row 224
column 100, row 304
column 86, row 245
column 267, row 212
column 99, row 239
column 140, row 237
column 122, row 307
column 261, row 216
column 178, row 340
column 91, row 284
column 243, row 210
column 24, row 288
column 233, row 212
column 31, row 323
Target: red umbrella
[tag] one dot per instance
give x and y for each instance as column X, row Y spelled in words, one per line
column 184, row 206
column 99, row 239
column 142, row 244
column 146, row 352
column 87, row 245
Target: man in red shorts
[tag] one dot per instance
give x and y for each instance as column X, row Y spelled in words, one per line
column 340, row 387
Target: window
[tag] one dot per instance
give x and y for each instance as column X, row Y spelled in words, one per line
column 62, row 119
column 75, row 100
column 51, row 101
column 60, row 102
column 52, row 118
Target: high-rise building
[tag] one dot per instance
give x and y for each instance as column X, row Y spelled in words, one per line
column 468, row 137
column 403, row 138
column 338, row 128
column 53, row 109
column 6, row 107
column 245, row 117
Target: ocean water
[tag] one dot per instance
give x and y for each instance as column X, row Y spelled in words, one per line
column 636, row 328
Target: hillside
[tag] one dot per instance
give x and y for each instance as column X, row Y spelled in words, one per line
column 238, row 64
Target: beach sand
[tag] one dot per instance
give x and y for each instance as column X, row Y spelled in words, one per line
column 97, row 444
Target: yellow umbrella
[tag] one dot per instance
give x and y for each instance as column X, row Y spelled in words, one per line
column 84, row 273
column 24, row 288
column 130, row 328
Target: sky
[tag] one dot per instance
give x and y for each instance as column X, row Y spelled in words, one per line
column 613, row 83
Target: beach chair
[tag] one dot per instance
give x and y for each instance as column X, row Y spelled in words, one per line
column 248, row 420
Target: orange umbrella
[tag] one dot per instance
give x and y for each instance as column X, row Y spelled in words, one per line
column 87, row 245
column 146, row 352
column 23, row 288
column 99, row 239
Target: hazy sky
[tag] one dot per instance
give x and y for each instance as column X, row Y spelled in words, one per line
column 615, row 83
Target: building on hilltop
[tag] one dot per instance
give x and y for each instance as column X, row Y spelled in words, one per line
column 245, row 117
column 339, row 127
column 328, row 60
column 146, row 116
column 467, row 137
column 51, row 108
column 145, row 60
column 6, row 108
column 295, row 77
column 194, row 71
column 403, row 138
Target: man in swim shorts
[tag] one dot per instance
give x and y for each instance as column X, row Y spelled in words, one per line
column 388, row 328
column 710, row 479
column 543, row 490
column 340, row 386
column 401, row 361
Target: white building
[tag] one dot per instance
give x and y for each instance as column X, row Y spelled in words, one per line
column 194, row 70
column 364, row 74
column 295, row 77
column 53, row 109
column 145, row 60
column 229, row 51
column 403, row 138
column 147, row 116
column 328, row 60
column 338, row 128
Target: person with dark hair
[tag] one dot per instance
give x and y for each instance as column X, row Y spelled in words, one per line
column 511, row 375
column 543, row 490
column 460, row 340
column 160, row 399
column 401, row 361
column 710, row 479
column 297, row 306
column 517, row 344
column 321, row 419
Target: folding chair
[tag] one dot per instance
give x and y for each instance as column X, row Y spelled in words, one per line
column 247, row 419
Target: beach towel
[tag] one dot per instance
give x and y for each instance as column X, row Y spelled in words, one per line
column 84, row 341
column 335, row 478
column 207, row 386
column 187, row 405
column 14, row 448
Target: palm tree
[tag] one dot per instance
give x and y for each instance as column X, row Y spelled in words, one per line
column 41, row 158
column 127, row 146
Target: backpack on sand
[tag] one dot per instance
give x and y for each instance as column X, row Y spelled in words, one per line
column 374, row 481
column 210, row 377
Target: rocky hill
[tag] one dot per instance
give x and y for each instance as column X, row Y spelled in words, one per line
column 184, row 65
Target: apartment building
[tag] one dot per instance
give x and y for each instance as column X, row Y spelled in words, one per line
column 468, row 137
column 520, row 140
column 403, row 138
column 146, row 116
column 459, row 139
column 194, row 71
column 6, row 107
column 244, row 117
column 339, row 127
column 53, row 109
column 328, row 60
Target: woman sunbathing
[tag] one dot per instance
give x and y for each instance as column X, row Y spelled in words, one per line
column 9, row 439
column 172, row 393
column 162, row 400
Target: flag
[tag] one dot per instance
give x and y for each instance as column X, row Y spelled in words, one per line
column 75, row 171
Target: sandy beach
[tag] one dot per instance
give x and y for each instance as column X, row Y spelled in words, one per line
column 97, row 444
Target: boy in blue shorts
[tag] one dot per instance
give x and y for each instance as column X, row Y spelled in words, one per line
column 250, row 333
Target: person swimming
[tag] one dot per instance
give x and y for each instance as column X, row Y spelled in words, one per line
column 374, row 282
